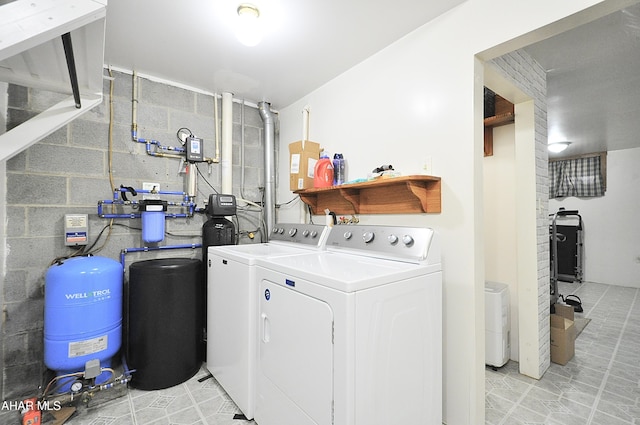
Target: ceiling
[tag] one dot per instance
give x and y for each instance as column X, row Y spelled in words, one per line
column 307, row 43
column 593, row 84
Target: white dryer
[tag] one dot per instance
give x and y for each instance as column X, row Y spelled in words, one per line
column 352, row 335
column 231, row 305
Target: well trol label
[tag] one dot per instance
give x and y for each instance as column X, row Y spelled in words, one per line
column 88, row 346
column 98, row 295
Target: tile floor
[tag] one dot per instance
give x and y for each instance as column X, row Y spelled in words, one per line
column 198, row 401
column 600, row 386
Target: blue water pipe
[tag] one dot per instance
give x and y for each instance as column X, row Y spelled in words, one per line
column 154, row 192
column 118, row 201
column 191, row 206
column 150, row 142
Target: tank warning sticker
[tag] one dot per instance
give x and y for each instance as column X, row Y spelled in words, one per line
column 88, row 346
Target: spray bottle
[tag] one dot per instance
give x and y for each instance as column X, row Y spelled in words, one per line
column 338, row 169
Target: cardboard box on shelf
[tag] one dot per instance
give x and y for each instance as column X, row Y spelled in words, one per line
column 302, row 161
column 563, row 334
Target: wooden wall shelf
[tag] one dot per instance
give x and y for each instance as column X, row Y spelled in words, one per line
column 394, row 195
column 504, row 115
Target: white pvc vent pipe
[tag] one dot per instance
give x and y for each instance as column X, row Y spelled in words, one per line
column 226, row 158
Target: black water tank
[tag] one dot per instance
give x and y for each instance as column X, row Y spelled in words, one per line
column 164, row 322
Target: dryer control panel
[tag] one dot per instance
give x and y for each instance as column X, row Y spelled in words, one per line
column 306, row 234
column 397, row 242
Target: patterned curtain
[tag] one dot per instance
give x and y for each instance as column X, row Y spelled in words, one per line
column 576, row 177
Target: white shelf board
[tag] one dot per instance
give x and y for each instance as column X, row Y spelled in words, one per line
column 31, row 55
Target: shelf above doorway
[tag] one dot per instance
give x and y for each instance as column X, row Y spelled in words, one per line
column 504, row 115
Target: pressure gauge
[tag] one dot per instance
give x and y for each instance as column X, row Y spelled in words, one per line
column 182, row 135
column 76, row 386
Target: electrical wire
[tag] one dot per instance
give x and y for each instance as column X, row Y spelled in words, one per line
column 297, row 197
column 205, row 179
column 179, row 132
column 178, row 235
column 84, row 251
column 57, row 378
column 251, row 203
column 310, row 214
column 75, row 377
column 110, row 154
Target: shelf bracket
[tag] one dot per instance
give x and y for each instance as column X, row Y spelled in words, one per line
column 353, row 197
column 71, row 65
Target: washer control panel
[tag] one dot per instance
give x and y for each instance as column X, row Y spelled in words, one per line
column 411, row 243
column 307, row 234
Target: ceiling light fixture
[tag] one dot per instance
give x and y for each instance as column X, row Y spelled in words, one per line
column 558, row 147
column 248, row 31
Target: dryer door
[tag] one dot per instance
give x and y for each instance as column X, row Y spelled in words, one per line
column 295, row 379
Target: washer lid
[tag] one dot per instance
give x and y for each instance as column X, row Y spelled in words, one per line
column 248, row 253
column 345, row 272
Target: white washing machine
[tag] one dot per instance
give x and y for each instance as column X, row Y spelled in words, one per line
column 352, row 335
column 231, row 305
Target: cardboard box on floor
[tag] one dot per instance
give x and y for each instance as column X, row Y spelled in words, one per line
column 563, row 334
column 302, row 162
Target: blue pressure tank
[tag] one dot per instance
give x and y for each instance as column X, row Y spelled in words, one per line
column 82, row 315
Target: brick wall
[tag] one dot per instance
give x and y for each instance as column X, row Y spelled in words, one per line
column 526, row 74
column 67, row 172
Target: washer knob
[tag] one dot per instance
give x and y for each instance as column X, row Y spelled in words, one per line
column 275, row 230
column 305, row 233
column 393, row 239
column 293, row 231
column 347, row 235
column 314, row 233
column 368, row 236
column 281, row 230
column 407, row 240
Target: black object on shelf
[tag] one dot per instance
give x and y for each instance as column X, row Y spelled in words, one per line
column 489, row 103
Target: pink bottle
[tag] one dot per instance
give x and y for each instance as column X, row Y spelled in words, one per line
column 323, row 172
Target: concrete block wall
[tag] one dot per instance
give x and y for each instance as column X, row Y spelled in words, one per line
column 68, row 172
column 529, row 76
